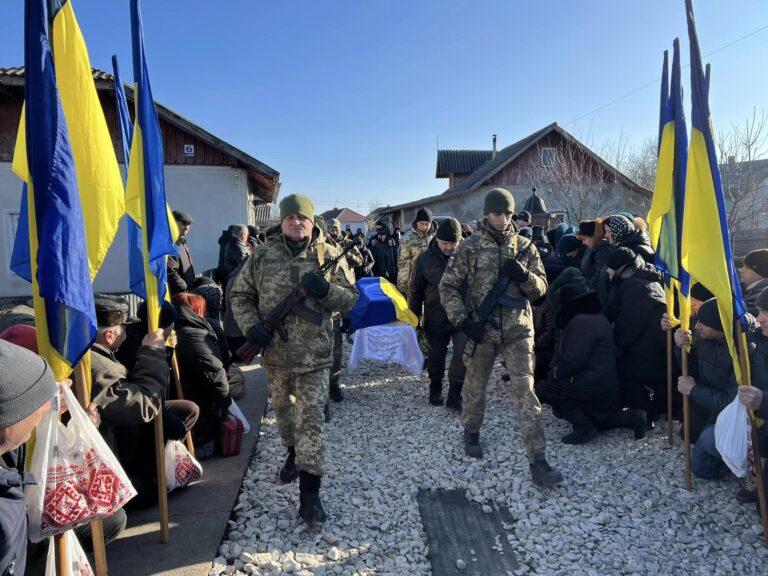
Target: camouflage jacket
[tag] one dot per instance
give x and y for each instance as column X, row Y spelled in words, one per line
column 354, row 256
column 268, row 276
column 476, row 264
column 411, row 246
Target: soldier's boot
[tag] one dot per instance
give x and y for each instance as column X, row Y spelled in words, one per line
column 453, row 402
column 335, row 393
column 327, row 412
column 583, row 428
column 543, row 474
column 436, row 392
column 310, row 506
column 472, row 444
column 289, row 471
column 635, row 420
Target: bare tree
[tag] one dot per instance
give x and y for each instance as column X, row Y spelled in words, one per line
column 640, row 164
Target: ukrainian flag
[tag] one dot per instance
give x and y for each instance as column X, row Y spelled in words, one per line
column 61, row 278
column 665, row 219
column 379, row 302
column 706, row 243
column 145, row 195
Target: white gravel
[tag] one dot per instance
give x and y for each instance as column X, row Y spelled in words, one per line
column 621, row 510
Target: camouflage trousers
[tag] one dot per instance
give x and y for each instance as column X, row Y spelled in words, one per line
column 337, row 351
column 519, row 358
column 298, row 400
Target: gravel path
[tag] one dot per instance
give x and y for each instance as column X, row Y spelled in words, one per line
column 621, row 510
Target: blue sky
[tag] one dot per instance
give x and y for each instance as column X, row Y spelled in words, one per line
column 347, row 99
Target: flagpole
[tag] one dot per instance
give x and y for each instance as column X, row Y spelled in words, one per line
column 180, row 396
column 60, row 542
column 669, row 386
column 686, row 424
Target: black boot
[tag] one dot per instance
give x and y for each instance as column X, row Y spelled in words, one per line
column 335, row 393
column 453, row 401
column 635, row 420
column 436, row 392
column 543, row 474
column 290, row 471
column 472, row 444
column 583, row 429
column 310, row 507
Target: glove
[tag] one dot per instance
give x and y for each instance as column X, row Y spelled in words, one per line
column 474, row 330
column 315, row 285
column 516, row 271
column 259, row 336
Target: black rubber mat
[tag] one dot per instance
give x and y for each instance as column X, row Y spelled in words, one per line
column 459, row 530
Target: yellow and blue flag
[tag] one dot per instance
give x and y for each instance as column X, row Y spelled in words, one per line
column 61, row 280
column 665, row 219
column 706, row 242
column 135, row 257
column 379, row 302
column 145, row 195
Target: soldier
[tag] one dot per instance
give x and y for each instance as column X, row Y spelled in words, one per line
column 297, row 368
column 496, row 249
column 439, row 331
column 415, row 241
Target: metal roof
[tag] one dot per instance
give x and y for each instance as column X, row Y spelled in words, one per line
column 460, row 161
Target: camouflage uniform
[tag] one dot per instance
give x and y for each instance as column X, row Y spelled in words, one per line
column 413, row 243
column 297, row 368
column 476, row 264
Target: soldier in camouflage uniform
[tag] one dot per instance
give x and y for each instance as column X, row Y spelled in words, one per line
column 415, row 241
column 297, row 368
column 497, row 249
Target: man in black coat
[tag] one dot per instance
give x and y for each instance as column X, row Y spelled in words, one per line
column 236, row 251
column 181, row 271
column 423, row 291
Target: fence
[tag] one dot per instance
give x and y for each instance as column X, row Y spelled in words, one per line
column 744, row 241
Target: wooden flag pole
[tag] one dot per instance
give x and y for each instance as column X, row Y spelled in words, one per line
column 162, row 494
column 686, row 425
column 180, row 396
column 60, row 542
column 670, row 360
column 82, row 391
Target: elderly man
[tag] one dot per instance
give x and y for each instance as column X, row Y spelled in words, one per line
column 754, row 277
column 496, row 250
column 297, row 368
column 236, row 251
column 181, row 272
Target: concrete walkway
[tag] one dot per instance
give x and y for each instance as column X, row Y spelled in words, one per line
column 198, row 513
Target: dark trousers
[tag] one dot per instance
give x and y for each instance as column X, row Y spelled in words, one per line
column 234, row 343
column 438, row 351
column 337, row 352
column 564, row 395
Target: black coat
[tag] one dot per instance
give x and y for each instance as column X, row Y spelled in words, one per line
column 639, row 242
column 235, row 253
column 594, row 261
column 423, row 289
column 201, row 366
column 635, row 307
column 13, row 513
column 180, row 270
column 758, row 362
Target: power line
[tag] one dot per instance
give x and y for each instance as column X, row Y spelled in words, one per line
column 657, row 80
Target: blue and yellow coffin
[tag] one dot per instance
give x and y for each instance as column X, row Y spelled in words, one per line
column 379, row 303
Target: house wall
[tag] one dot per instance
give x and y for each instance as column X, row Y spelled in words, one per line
column 215, row 197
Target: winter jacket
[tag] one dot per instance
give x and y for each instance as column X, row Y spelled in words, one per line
column 413, row 243
column 123, row 398
column 475, row 266
column 235, row 253
column 201, row 366
column 639, row 242
column 180, row 269
column 389, row 269
column 593, row 261
column 758, row 363
column 635, row 306
column 423, row 289
column 546, row 339
column 750, row 294
column 13, row 513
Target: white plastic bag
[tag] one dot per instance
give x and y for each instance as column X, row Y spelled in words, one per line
column 79, row 479
column 181, row 468
column 77, row 561
column 733, row 437
column 234, row 409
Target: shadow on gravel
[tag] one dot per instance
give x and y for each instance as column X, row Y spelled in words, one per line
column 459, row 532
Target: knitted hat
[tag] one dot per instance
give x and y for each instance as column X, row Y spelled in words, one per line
column 618, row 257
column 182, row 217
column 498, row 200
column 449, row 230
column 762, row 300
column 423, row 215
column 587, row 228
column 526, row 232
column 568, row 243
column 333, row 223
column 22, row 335
column 297, row 204
column 757, row 260
column 709, row 315
column 212, row 294
column 620, row 227
column 26, row 383
column 699, row 292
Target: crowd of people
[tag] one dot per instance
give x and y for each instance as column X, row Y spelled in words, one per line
column 578, row 315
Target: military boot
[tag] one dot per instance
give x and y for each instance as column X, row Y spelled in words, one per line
column 310, row 507
column 335, row 393
column 453, row 402
column 472, row 444
column 289, row 471
column 436, row 392
column 543, row 474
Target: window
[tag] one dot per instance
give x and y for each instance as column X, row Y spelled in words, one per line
column 548, row 157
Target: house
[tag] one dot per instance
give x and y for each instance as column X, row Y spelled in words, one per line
column 350, row 220
column 215, row 182
column 569, row 178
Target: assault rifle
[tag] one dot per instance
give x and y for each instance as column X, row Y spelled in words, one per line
column 293, row 303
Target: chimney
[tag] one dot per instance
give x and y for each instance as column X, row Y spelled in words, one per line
column 493, row 154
